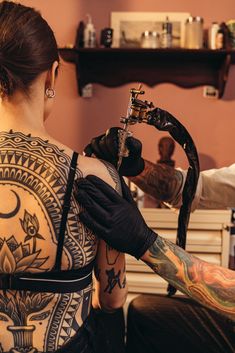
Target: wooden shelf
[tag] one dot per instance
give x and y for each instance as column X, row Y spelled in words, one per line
column 187, row 68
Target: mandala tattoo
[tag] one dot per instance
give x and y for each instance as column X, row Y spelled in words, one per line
column 33, row 180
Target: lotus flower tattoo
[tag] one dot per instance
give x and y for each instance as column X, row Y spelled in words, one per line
column 30, row 225
column 17, row 257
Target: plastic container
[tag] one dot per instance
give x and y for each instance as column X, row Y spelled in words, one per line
column 194, row 33
column 150, row 40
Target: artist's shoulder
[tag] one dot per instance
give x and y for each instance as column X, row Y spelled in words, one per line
column 100, row 168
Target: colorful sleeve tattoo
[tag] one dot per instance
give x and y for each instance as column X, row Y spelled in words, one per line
column 209, row 284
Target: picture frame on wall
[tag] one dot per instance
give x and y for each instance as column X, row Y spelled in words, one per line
column 129, row 26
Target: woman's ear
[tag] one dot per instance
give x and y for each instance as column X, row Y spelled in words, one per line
column 49, row 88
column 51, row 75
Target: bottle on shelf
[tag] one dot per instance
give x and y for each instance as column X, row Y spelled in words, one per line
column 194, row 32
column 89, row 34
column 166, row 35
column 79, row 42
column 212, row 35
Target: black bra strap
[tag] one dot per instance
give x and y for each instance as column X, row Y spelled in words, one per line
column 66, row 207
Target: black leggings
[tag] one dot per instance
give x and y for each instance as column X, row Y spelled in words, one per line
column 100, row 333
column 159, row 324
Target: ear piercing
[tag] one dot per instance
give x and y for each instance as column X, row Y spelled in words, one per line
column 50, row 93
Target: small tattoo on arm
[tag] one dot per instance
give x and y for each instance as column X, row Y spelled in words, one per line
column 113, row 280
column 111, row 255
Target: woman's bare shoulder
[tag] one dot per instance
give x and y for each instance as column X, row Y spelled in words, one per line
column 93, row 166
column 100, row 168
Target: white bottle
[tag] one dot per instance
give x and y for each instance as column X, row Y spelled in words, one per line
column 89, row 34
column 212, row 35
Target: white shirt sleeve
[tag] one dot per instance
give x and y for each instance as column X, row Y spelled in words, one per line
column 215, row 190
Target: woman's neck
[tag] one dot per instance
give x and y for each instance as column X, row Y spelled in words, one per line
column 21, row 113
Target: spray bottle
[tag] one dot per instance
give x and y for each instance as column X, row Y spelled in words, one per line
column 89, row 34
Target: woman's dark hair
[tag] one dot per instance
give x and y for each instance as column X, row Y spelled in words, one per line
column 27, row 47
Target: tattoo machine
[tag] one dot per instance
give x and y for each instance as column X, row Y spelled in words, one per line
column 136, row 112
column 140, row 111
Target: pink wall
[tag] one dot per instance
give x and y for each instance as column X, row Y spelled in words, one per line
column 75, row 120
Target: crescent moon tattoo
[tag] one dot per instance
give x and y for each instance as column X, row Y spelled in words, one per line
column 15, row 211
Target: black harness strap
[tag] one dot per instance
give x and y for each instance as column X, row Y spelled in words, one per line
column 55, row 282
column 66, row 207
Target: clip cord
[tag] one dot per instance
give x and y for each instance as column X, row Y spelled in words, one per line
column 164, row 121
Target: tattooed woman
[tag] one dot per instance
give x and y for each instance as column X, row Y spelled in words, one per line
column 46, row 254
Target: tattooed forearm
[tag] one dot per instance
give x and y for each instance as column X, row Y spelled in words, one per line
column 210, row 285
column 159, row 180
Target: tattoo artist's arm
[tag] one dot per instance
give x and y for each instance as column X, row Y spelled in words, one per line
column 211, row 285
column 216, row 187
column 120, row 223
column 160, row 181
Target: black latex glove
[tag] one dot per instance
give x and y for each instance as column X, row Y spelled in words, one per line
column 106, row 147
column 116, row 220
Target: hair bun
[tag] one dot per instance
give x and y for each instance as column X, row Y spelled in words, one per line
column 27, row 47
